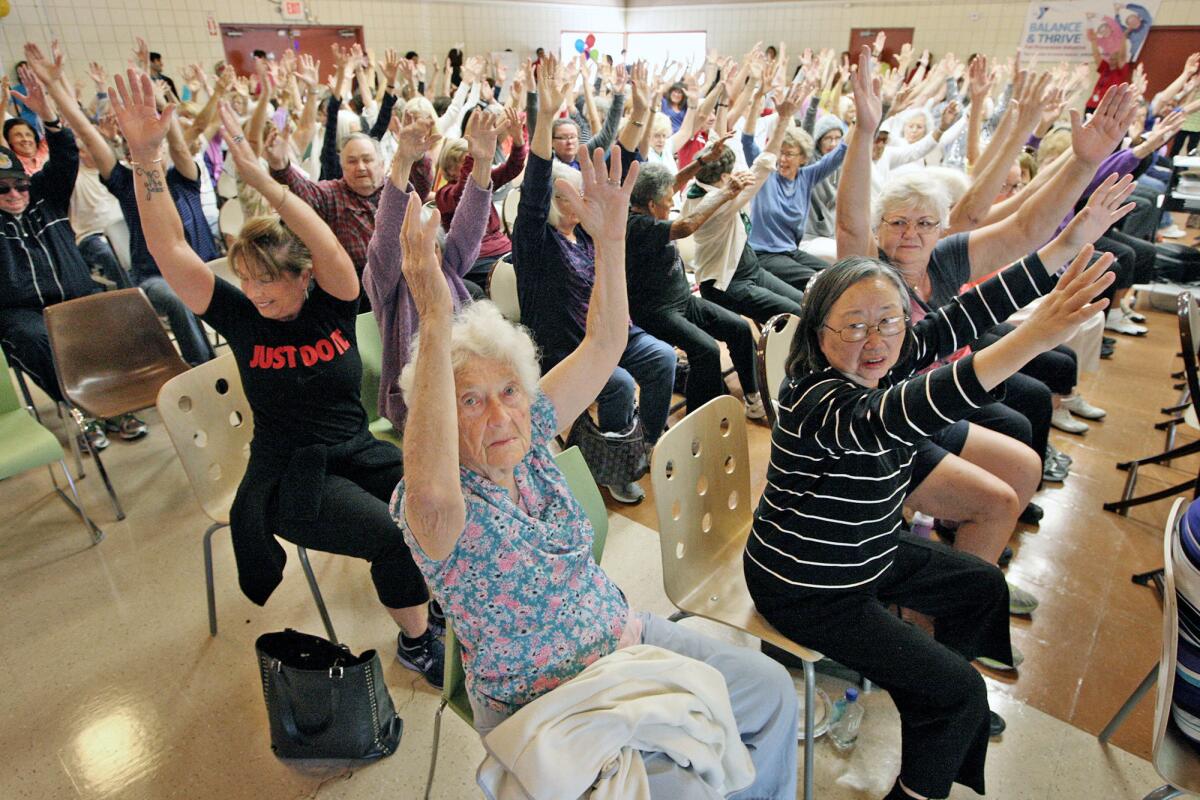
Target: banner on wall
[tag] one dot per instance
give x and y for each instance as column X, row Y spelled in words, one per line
column 1065, row 30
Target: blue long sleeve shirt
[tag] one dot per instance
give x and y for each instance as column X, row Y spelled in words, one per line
column 780, row 209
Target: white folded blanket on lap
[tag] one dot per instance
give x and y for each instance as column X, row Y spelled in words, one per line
column 583, row 738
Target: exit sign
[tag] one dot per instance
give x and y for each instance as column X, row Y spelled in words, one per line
column 292, row 10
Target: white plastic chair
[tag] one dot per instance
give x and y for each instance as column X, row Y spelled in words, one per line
column 502, row 289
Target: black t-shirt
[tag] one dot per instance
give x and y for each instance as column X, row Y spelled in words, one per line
column 653, row 269
column 186, row 195
column 302, row 377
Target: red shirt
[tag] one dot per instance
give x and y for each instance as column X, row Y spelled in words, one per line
column 1108, row 77
column 690, row 149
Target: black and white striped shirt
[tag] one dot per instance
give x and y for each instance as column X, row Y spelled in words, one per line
column 841, row 454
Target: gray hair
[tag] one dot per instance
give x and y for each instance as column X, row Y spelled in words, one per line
column 562, row 122
column 712, row 171
column 800, row 139
column 953, row 180
column 559, row 170
column 362, row 137
column 912, row 190
column 653, row 182
column 481, row 331
column 821, row 293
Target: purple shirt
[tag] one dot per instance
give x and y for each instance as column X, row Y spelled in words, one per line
column 1121, row 162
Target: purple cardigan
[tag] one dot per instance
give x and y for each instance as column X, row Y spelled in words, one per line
column 385, row 284
column 1121, row 162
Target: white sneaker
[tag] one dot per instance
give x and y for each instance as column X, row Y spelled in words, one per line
column 1062, row 419
column 1173, row 232
column 1082, row 408
column 754, row 406
column 1133, row 316
column 1118, row 323
column 627, row 493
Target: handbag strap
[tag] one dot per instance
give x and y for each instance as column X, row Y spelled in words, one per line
column 287, row 713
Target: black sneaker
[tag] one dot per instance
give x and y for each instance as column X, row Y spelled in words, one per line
column 996, row 724
column 437, row 619
column 425, row 655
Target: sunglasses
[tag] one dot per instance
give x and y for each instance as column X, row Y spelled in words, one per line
column 20, row 186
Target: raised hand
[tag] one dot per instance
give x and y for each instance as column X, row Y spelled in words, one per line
column 421, row 266
column 641, row 89
column 391, row 65
column 277, row 146
column 482, row 131
column 620, row 78
column 245, row 162
column 48, row 72
column 979, row 79
column 98, row 76
column 1073, row 300
column 1095, row 140
column 308, row 71
column 35, row 95
column 415, row 136
column 552, row 87
column 603, row 206
column 790, row 103
column 141, row 53
column 514, row 127
column 949, row 115
column 741, row 179
column 868, row 102
column 137, row 115
column 1104, row 209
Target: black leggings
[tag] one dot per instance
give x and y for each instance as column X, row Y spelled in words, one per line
column 1184, row 142
column 353, row 520
column 795, row 269
column 942, row 699
column 1057, row 368
column 1135, row 259
column 696, row 328
column 754, row 293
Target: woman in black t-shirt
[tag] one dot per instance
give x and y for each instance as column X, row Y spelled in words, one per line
column 316, row 475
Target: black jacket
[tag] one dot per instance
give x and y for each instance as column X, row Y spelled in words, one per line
column 39, row 262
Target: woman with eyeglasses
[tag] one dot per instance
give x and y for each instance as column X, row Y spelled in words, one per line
column 826, row 555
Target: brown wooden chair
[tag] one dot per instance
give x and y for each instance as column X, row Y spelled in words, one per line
column 1189, row 337
column 701, row 476
column 773, row 348
column 112, row 356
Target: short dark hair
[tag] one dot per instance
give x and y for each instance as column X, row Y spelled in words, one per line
column 260, row 53
column 411, row 54
column 155, row 56
column 819, row 296
column 715, row 166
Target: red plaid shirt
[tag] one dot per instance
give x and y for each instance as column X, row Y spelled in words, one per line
column 348, row 214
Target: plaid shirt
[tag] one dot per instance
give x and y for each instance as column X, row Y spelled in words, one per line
column 348, row 214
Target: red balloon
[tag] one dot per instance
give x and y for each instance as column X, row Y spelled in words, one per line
column 590, row 40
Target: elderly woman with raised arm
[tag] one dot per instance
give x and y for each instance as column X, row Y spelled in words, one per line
column 492, row 523
column 316, row 476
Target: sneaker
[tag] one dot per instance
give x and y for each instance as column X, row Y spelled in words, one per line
column 1062, row 419
column 991, row 663
column 1020, row 602
column 1054, row 471
column 1106, row 351
column 754, row 407
column 1082, row 408
column 127, row 426
column 996, row 724
column 1117, row 322
column 94, row 431
column 1173, row 232
column 1005, row 557
column 437, row 619
column 627, row 493
column 1053, row 453
column 425, row 655
column 1108, row 340
column 1133, row 315
column 1031, row 515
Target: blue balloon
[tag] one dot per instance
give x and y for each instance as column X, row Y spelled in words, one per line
column 579, row 45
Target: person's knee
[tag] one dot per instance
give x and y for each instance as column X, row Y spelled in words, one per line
column 704, row 355
column 618, row 392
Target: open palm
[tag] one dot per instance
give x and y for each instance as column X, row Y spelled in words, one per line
column 603, row 206
column 1094, row 140
column 134, row 106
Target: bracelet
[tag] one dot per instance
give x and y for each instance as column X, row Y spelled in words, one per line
column 391, row 87
column 637, row 124
column 101, row 94
column 144, row 164
column 53, row 123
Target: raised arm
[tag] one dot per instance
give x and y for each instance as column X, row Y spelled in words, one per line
column 685, row 226
column 572, row 385
column 854, row 236
column 49, row 73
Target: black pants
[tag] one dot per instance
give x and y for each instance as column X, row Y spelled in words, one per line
column 941, row 698
column 795, row 268
column 353, row 520
column 696, row 328
column 1142, row 222
column 27, row 346
column 1184, row 141
column 1135, row 260
column 1057, row 368
column 754, row 292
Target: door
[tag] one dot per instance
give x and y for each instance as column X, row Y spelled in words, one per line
column 896, row 38
column 240, row 42
column 1167, row 48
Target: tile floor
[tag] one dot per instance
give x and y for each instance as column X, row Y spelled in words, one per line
column 115, row 688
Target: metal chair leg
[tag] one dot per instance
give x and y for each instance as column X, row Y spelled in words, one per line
column 810, row 743
column 1146, row 685
column 76, row 505
column 74, row 442
column 437, row 740
column 208, row 577
column 316, row 593
column 112, row 493
column 1164, row 793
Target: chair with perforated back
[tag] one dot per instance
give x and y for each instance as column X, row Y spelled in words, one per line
column 773, row 348
column 112, row 356
column 454, row 678
column 502, row 289
column 370, row 350
column 687, row 251
column 508, row 210
column 25, row 444
column 208, row 418
column 700, row 471
column 231, row 218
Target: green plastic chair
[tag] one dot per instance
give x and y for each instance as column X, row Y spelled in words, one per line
column 25, row 444
column 454, row 679
column 370, row 350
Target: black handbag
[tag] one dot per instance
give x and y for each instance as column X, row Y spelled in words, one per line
column 611, row 458
column 324, row 702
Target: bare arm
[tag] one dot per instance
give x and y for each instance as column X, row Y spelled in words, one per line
column 684, row 227
column 49, row 73
column 854, row 236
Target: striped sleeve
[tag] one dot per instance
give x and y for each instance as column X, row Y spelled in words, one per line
column 965, row 317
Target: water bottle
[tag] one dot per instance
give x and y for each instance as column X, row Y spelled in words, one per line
column 847, row 716
column 922, row 525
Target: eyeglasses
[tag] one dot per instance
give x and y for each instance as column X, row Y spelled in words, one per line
column 566, row 138
column 20, row 186
column 859, row 331
column 921, row 225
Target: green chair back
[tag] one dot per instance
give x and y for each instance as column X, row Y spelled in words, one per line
column 579, row 478
column 24, row 443
column 370, row 350
column 8, row 395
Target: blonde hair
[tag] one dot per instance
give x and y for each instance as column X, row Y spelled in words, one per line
column 452, row 151
column 661, row 123
column 265, row 247
column 1053, row 145
column 420, row 106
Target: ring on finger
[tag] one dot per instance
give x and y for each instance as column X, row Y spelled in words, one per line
column 238, row 139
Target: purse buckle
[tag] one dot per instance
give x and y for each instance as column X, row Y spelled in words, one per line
column 336, row 672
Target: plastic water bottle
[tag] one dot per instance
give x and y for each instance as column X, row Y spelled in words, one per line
column 922, row 525
column 847, row 716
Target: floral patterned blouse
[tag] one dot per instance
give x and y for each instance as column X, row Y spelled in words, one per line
column 530, row 606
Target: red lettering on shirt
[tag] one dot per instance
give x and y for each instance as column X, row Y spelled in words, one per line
column 339, row 341
column 308, row 355
column 284, row 356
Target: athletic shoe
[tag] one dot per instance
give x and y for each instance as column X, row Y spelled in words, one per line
column 1106, row 351
column 1133, row 315
column 1054, row 453
column 1005, row 557
column 1108, row 340
column 127, row 426
column 1054, row 471
column 991, row 663
column 1082, row 408
column 94, row 431
column 437, row 619
column 424, row 654
column 1020, row 602
column 628, row 493
column 996, row 724
column 754, row 407
column 1061, row 418
column 1117, row 322
column 1173, row 232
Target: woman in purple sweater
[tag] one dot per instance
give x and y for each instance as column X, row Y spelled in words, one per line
column 385, row 285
